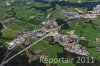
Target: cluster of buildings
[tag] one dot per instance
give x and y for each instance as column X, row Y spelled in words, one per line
column 39, row 33
column 48, row 25
column 95, row 10
column 72, row 47
column 20, row 39
column 97, row 48
column 70, row 15
column 76, row 15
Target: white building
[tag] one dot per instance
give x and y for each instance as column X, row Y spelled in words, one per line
column 7, row 3
column 95, row 10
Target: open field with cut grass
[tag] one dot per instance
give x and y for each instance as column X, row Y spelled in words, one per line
column 18, row 25
column 94, row 53
column 11, row 34
column 50, row 50
column 88, row 31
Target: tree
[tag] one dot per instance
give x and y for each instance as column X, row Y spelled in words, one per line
column 84, row 42
column 58, row 7
column 1, row 26
column 0, row 34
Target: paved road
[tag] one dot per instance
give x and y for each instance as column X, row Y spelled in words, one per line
column 27, row 48
column 22, row 51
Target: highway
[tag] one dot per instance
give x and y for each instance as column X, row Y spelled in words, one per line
column 6, row 61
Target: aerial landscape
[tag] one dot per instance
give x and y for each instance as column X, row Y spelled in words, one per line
column 49, row 32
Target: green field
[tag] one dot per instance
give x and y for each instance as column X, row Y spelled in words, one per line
column 11, row 34
column 50, row 50
column 94, row 53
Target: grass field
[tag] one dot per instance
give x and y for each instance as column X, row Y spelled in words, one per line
column 90, row 33
column 50, row 50
column 18, row 25
column 10, row 34
column 94, row 53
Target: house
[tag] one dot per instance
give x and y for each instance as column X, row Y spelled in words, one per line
column 97, row 39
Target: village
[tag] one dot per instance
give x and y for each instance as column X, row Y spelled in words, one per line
column 63, row 40
column 57, row 29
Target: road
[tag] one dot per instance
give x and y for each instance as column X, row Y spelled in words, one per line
column 22, row 51
column 8, row 20
column 27, row 48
